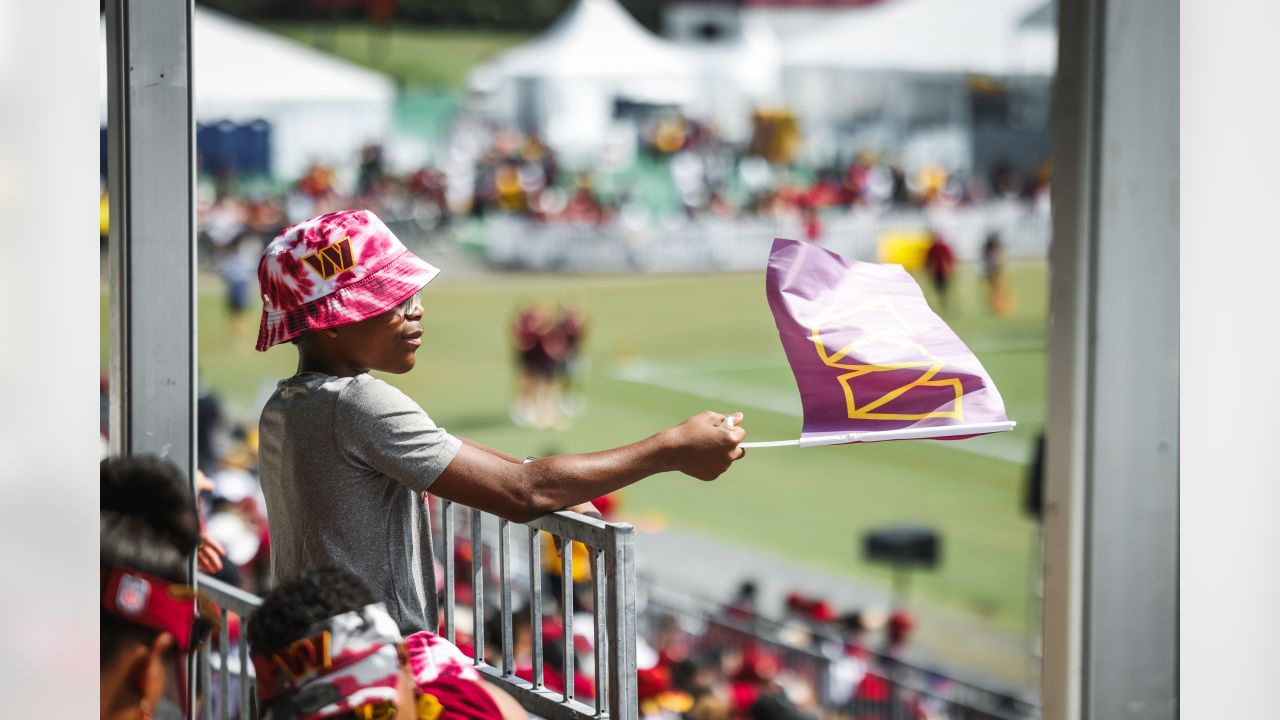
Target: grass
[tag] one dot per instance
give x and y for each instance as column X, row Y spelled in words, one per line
column 415, row 56
column 807, row 505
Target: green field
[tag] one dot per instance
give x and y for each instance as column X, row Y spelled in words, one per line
column 415, row 56
column 708, row 342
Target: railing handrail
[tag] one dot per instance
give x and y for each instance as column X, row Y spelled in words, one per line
column 228, row 597
column 570, row 523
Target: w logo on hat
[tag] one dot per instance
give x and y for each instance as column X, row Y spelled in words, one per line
column 331, row 259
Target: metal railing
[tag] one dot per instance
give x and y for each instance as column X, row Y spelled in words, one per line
column 611, row 550
column 217, row 659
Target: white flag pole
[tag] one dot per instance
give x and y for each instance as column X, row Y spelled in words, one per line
column 728, row 423
column 919, row 433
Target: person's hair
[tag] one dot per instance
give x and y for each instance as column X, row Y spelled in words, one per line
column 148, row 522
column 776, row 706
column 297, row 604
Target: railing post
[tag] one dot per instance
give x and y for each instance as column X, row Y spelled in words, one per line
column 620, row 566
column 600, row 653
column 247, row 685
column 450, row 587
column 504, row 582
column 477, row 585
column 535, row 605
column 566, row 612
column 224, row 663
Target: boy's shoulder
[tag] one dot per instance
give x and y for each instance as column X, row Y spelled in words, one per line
column 359, row 395
column 367, row 393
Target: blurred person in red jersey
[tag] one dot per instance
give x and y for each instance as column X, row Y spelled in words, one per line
column 584, row 207
column 900, row 625
column 940, row 261
column 744, row 605
column 538, row 345
column 658, row 699
column 553, row 663
column 812, row 223
column 755, row 691
column 571, row 326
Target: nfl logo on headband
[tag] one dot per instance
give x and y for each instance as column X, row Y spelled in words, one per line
column 131, row 597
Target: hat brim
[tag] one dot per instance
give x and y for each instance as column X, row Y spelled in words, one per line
column 368, row 297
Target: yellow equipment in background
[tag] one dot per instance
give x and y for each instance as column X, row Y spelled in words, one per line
column 907, row 248
column 775, row 135
column 551, row 560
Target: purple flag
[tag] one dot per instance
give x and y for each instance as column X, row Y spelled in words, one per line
column 871, row 360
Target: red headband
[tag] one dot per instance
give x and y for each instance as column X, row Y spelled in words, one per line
column 158, row 604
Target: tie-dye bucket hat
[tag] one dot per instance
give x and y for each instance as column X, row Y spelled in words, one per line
column 334, row 270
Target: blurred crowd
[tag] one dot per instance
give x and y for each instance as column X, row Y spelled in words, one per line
column 683, row 167
column 731, row 662
column 521, row 175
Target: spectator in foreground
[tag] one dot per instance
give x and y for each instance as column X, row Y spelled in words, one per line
column 150, row 618
column 324, row 648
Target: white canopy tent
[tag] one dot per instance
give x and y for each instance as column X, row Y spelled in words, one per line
column 566, row 81
column 319, row 107
column 736, row 77
column 910, row 62
column 1001, row 38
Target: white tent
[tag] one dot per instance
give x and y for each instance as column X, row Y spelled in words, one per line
column 319, row 107
column 984, row 37
column 567, row 80
column 908, row 62
column 737, row 76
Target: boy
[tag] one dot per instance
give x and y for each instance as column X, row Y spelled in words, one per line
column 344, row 456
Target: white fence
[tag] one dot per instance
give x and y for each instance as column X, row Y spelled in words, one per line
column 712, row 244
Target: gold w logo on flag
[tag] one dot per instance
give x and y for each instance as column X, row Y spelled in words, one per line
column 331, row 259
column 887, row 328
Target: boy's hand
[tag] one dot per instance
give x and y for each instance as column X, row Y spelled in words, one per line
column 704, row 448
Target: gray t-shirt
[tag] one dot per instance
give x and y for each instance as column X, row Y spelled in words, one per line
column 343, row 462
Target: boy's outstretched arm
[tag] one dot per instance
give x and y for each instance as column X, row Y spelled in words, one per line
column 700, row 447
column 492, row 451
column 585, row 508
